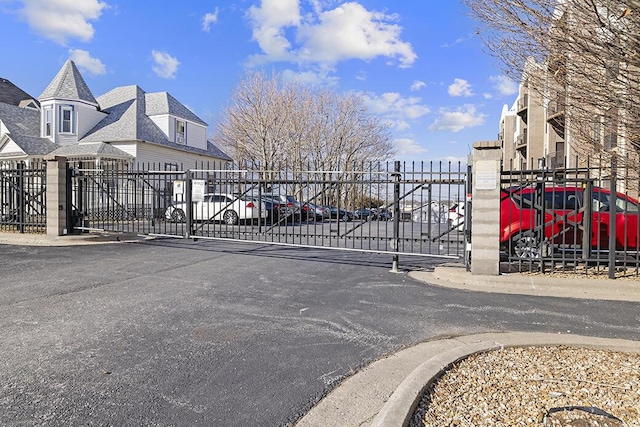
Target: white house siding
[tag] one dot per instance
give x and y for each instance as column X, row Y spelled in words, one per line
column 129, row 147
column 196, row 135
column 161, row 156
column 11, row 147
column 87, row 118
column 162, row 121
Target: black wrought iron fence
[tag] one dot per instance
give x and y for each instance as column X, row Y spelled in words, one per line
column 582, row 219
column 399, row 208
column 23, row 205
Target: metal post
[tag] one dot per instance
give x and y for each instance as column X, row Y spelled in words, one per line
column 429, row 212
column 189, row 205
column 612, row 221
column 587, row 223
column 20, row 194
column 468, row 211
column 396, row 217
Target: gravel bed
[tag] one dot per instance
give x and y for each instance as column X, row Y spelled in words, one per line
column 536, row 386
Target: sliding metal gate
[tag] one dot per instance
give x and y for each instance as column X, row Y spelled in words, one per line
column 395, row 208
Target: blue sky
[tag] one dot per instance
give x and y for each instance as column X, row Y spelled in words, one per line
column 417, row 63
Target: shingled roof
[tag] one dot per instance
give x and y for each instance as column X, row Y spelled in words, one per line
column 163, row 103
column 68, row 84
column 23, row 125
column 128, row 109
column 12, row 94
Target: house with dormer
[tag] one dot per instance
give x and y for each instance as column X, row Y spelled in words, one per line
column 124, row 128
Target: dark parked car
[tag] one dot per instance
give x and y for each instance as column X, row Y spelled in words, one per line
column 340, row 214
column 277, row 213
column 364, row 214
column 317, row 212
column 300, row 210
column 382, row 214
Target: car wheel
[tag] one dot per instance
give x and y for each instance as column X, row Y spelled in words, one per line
column 178, row 215
column 524, row 245
column 344, row 218
column 230, row 218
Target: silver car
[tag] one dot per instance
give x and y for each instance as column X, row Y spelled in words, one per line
column 219, row 207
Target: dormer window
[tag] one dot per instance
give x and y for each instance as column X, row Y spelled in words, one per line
column 48, row 121
column 181, row 129
column 66, row 119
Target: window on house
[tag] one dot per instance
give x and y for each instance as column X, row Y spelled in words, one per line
column 66, row 119
column 48, row 121
column 181, row 128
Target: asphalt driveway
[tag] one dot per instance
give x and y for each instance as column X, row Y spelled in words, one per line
column 181, row 333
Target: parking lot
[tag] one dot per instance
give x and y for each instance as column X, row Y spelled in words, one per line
column 181, row 333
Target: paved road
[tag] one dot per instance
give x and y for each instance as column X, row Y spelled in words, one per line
column 181, row 333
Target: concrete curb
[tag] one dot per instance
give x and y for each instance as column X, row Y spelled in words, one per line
column 537, row 285
column 400, row 407
column 69, row 240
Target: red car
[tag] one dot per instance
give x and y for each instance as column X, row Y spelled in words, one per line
column 564, row 222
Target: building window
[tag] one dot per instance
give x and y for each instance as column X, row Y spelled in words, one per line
column 48, row 121
column 181, row 128
column 66, row 119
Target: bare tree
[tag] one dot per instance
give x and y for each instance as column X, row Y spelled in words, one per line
column 277, row 124
column 589, row 54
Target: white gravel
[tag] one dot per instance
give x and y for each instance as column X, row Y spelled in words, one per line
column 518, row 387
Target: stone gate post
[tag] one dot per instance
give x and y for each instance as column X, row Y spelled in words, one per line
column 56, row 196
column 485, row 217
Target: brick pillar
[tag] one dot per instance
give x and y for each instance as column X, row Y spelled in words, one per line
column 56, row 196
column 485, row 217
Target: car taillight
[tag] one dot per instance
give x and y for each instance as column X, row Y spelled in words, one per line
column 305, row 208
column 250, row 205
column 289, row 204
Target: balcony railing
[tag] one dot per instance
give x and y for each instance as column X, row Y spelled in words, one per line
column 523, row 105
column 555, row 160
column 556, row 107
column 523, row 102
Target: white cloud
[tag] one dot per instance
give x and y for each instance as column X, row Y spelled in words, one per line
column 457, row 41
column 85, row 62
column 406, row 147
column 166, row 66
column 392, row 104
column 320, row 79
column 399, row 112
column 269, row 22
column 351, row 31
column 208, row 19
column 460, row 87
column 417, row 85
column 454, row 121
column 326, row 37
column 504, row 85
column 61, row 20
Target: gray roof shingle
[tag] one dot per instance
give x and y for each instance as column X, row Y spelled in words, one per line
column 97, row 149
column 68, row 84
column 128, row 119
column 12, row 94
column 163, row 103
column 23, row 125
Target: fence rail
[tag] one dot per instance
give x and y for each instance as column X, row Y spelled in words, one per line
column 23, row 206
